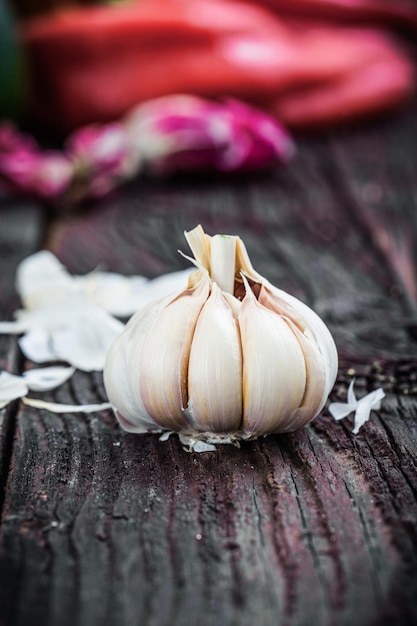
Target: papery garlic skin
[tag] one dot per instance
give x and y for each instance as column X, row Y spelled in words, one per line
column 233, row 357
column 215, row 374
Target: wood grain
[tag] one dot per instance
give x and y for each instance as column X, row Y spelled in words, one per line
column 315, row 527
column 21, row 231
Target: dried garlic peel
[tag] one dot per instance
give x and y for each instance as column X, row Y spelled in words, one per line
column 230, row 355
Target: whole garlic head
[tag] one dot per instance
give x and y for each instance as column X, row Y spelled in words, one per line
column 230, row 356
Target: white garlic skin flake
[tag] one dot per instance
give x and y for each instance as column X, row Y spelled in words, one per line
column 231, row 355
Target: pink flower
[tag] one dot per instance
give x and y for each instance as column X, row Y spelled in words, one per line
column 25, row 168
column 101, row 156
column 187, row 133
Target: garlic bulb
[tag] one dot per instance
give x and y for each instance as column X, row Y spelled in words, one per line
column 229, row 357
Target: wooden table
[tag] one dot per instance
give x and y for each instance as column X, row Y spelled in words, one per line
column 318, row 527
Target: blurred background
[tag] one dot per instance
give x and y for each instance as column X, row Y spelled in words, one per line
column 307, row 65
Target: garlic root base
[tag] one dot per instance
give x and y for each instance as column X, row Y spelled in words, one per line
column 196, row 441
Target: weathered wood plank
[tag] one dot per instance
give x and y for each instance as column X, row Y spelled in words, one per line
column 382, row 196
column 316, row 527
column 21, row 232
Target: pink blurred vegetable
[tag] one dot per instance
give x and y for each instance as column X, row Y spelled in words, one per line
column 188, row 133
column 25, row 167
column 163, row 136
column 101, row 156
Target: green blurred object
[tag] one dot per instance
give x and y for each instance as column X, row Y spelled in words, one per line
column 12, row 83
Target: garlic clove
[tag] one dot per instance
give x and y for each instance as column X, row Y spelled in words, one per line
column 215, row 368
column 299, row 312
column 121, row 373
column 163, row 362
column 321, row 334
column 274, row 372
column 315, row 393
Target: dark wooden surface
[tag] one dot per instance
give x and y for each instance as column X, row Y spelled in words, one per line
column 317, row 527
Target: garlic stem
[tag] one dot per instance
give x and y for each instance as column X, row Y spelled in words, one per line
column 223, row 261
column 199, row 244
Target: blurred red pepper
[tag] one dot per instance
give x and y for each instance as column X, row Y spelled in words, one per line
column 93, row 64
column 398, row 13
